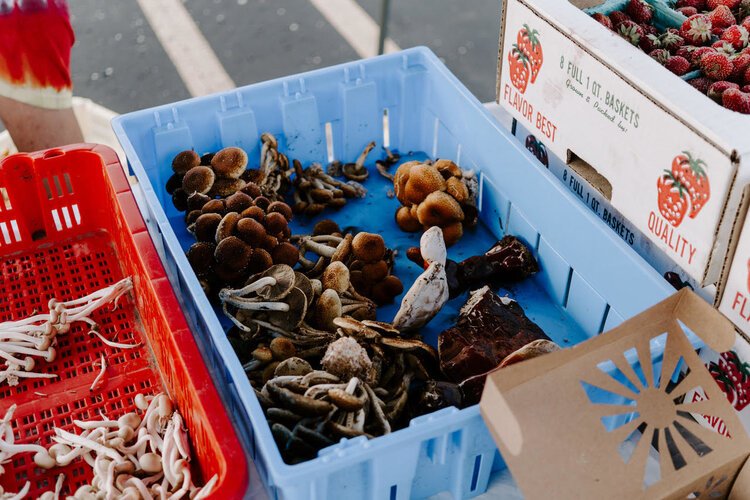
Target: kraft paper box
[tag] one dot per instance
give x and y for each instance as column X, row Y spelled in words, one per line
column 588, row 95
column 613, row 418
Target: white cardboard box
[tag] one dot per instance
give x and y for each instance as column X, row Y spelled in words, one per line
column 597, row 98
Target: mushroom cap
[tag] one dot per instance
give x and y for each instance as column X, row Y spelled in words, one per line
column 305, row 285
column 291, row 319
column 423, row 180
column 254, row 212
column 227, row 226
column 321, row 195
column 314, row 209
column 280, row 207
column 192, row 216
column 214, row 206
column 447, row 169
column 386, row 290
column 260, row 260
column 229, row 163
column 269, row 242
column 381, row 327
column 326, row 226
column 184, row 161
column 275, row 222
column 197, row 200
column 251, row 188
column 179, row 199
column 456, row 187
column 284, row 276
column 239, row 201
column 406, row 222
column 205, row 227
column 206, row 159
column 198, row 180
column 327, row 309
column 368, row 247
column 226, row 187
column 285, row 253
column 439, row 209
column 251, row 231
column 293, row 366
column 262, row 202
column 400, row 178
column 345, row 358
column 336, row 277
column 282, row 348
column 375, row 272
column 233, row 253
column 201, row 257
column 229, row 276
column 452, row 233
column 173, row 183
column 432, row 246
column 343, row 249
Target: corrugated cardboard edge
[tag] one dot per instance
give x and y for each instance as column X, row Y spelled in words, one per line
column 503, row 13
column 734, row 239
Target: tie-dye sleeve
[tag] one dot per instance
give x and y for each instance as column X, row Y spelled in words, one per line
column 35, row 42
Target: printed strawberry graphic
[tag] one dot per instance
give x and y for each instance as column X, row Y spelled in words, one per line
column 529, row 44
column 732, row 375
column 691, row 174
column 673, row 200
column 519, row 69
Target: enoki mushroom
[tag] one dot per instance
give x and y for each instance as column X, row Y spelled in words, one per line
column 26, row 341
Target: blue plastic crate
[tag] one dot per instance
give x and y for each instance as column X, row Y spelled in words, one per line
column 590, row 280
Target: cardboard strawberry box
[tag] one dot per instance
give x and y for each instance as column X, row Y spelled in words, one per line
column 672, row 162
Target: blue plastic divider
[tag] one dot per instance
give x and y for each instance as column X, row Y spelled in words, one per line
column 589, row 279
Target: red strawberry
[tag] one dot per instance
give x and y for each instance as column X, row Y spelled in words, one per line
column 696, row 29
column 640, row 11
column 630, row 31
column 696, row 4
column 678, row 65
column 691, row 174
column 519, row 69
column 671, row 40
column 649, row 43
column 736, row 100
column 660, row 55
column 716, row 65
column 746, row 79
column 529, row 44
column 723, row 47
column 737, row 36
column 741, row 62
column 746, row 23
column 604, row 20
column 618, row 17
column 697, row 54
column 730, row 4
column 701, row 84
column 685, row 51
column 687, row 11
column 716, row 89
column 745, row 88
column 721, row 17
column 673, row 201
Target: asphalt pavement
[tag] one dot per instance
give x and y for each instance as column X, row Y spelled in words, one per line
column 118, row 61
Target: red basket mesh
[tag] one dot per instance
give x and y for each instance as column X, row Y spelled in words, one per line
column 69, row 226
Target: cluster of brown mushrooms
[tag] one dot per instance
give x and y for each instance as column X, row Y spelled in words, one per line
column 135, row 456
column 436, row 194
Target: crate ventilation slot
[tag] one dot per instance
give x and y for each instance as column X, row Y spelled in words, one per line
column 10, row 232
column 63, row 217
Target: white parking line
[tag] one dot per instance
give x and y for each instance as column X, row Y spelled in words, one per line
column 192, row 55
column 354, row 25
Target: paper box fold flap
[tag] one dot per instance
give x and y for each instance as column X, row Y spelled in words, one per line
column 608, row 418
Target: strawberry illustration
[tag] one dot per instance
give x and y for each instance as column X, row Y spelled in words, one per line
column 732, row 375
column 519, row 69
column 529, row 44
column 673, row 200
column 691, row 174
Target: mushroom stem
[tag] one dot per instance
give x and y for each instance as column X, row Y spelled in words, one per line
column 318, row 248
column 252, row 305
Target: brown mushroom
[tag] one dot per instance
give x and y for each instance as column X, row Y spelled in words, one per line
column 400, row 179
column 406, row 222
column 439, row 209
column 227, row 226
column 423, row 180
column 205, row 227
column 192, row 216
column 255, row 213
column 455, row 187
column 280, row 207
column 275, row 222
column 206, row 159
column 336, row 277
column 173, row 183
column 233, row 253
column 260, row 260
column 198, row 180
column 326, row 226
column 201, row 257
column 385, row 291
column 368, row 247
column 285, row 253
column 226, row 187
column 184, row 161
column 197, row 200
column 229, row 163
column 327, row 309
column 343, row 250
column 214, row 207
column 179, row 199
column 452, row 233
column 251, row 188
column 238, row 202
column 375, row 271
column 448, row 169
column 251, row 231
column 262, row 202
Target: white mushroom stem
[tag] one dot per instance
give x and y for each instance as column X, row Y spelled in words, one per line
column 21, row 494
column 116, row 345
column 255, row 286
column 48, row 355
column 318, row 248
column 252, row 305
column 22, row 374
column 98, row 380
column 74, row 440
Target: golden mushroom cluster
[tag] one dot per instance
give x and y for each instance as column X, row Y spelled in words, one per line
column 435, row 194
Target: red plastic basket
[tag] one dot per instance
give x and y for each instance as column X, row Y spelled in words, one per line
column 69, row 225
